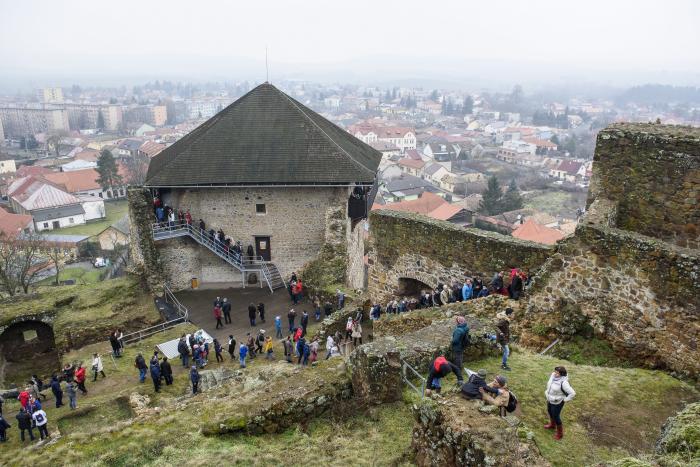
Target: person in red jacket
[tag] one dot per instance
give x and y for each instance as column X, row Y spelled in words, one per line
column 23, row 398
column 218, row 314
column 439, row 369
column 80, row 378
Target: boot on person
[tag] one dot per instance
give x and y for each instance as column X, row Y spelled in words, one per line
column 551, row 425
column 560, row 432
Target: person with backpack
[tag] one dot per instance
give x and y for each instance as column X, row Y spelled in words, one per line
column 460, row 340
column 557, row 393
column 438, row 370
column 41, row 423
column 500, row 383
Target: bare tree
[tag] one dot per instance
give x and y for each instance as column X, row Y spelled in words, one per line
column 19, row 258
column 53, row 141
column 55, row 255
column 137, row 167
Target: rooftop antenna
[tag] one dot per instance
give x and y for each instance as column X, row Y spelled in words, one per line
column 267, row 68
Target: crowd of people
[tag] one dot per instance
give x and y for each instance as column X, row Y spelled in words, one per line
column 497, row 393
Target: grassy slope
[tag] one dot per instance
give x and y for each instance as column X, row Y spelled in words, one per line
column 96, row 308
column 115, row 210
column 616, row 413
column 102, row 437
column 80, row 275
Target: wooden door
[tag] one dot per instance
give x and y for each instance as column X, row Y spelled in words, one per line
column 262, row 248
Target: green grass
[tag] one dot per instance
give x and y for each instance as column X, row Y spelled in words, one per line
column 79, row 275
column 103, row 436
column 617, row 412
column 115, row 210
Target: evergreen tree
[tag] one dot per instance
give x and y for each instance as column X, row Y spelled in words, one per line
column 570, row 145
column 512, row 199
column 491, row 202
column 434, row 95
column 108, row 170
column 100, row 121
column 555, row 139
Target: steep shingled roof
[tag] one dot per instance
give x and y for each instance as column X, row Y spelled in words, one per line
column 265, row 137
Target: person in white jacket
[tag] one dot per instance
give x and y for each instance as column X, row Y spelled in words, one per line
column 97, row 366
column 558, row 391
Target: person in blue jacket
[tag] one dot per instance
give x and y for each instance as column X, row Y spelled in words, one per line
column 194, row 377
column 467, row 290
column 155, row 373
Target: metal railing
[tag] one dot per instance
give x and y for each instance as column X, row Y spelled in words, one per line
column 183, row 317
column 405, row 369
column 243, row 263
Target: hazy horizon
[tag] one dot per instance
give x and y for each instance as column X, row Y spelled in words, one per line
column 489, row 46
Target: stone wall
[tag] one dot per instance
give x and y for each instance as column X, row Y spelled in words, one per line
column 652, row 172
column 295, row 218
column 145, row 257
column 355, row 276
column 416, row 247
column 640, row 294
column 457, row 432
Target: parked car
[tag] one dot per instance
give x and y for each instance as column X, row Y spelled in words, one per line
column 101, row 262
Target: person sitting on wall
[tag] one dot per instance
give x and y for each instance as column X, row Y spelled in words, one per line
column 438, row 370
column 500, row 383
column 476, row 381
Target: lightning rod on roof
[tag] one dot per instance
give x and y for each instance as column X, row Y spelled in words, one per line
column 267, row 68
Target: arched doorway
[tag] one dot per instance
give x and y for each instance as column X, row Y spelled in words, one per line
column 27, row 348
column 409, row 287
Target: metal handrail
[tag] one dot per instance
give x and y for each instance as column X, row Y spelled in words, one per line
column 149, row 331
column 405, row 366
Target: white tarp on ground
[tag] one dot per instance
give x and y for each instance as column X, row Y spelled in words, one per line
column 169, row 349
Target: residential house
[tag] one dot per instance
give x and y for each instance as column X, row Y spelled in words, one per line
column 431, row 205
column 84, row 182
column 440, row 152
column 406, row 188
column 115, row 235
column 143, row 130
column 452, row 183
column 78, row 164
column 543, row 145
column 50, row 207
column 534, row 232
column 128, row 147
column 370, row 132
column 567, row 170
column 434, row 172
column 7, row 166
column 12, row 225
column 150, row 148
column 412, row 166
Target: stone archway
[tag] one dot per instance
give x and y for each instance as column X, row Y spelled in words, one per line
column 410, row 287
column 27, row 347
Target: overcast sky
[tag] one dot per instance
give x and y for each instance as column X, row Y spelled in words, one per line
column 507, row 40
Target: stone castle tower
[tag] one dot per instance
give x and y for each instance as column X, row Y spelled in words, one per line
column 270, row 173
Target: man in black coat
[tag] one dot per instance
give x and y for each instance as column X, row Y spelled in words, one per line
column 184, row 352
column 477, row 380
column 167, row 371
column 226, row 308
column 57, row 391
column 24, row 422
column 3, row 429
column 252, row 310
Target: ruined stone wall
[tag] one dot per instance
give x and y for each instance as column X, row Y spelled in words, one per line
column 640, row 294
column 144, row 254
column 431, row 251
column 355, row 276
column 652, row 172
column 295, row 220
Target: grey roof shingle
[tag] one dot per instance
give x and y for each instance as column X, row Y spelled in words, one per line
column 265, row 137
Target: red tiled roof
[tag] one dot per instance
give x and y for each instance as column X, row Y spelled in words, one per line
column 412, row 163
column 26, row 170
column 570, row 167
column 75, row 181
column 13, row 224
column 540, row 143
column 535, row 232
column 429, row 204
